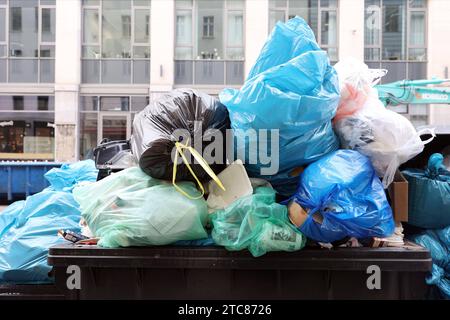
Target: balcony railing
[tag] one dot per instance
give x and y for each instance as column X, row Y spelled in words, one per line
column 115, row 71
column 27, row 70
column 209, row 72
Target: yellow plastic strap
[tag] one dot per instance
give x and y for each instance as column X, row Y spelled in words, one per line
column 180, row 150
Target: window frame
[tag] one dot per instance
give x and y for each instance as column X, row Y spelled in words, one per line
column 320, row 10
column 133, row 43
column 191, row 9
column 40, row 43
column 408, row 11
column 194, row 32
column 208, row 22
column 9, row 115
column 5, row 43
column 130, row 113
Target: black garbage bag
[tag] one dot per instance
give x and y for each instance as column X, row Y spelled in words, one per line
column 156, row 130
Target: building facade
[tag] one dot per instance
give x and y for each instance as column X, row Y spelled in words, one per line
column 73, row 72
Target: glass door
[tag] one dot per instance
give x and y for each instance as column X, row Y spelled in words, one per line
column 114, row 126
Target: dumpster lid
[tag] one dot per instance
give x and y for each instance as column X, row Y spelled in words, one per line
column 412, row 258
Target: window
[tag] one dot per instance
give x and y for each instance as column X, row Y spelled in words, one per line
column 26, row 127
column 395, row 39
column 209, row 42
column 106, row 116
column 28, row 55
column 395, row 30
column 3, row 44
column 393, row 19
column 321, row 15
column 208, row 27
column 43, row 103
column 18, row 103
column 16, row 19
column 126, row 26
column 116, row 41
column 46, row 20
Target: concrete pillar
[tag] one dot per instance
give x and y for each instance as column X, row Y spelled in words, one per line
column 162, row 46
column 351, row 29
column 256, row 30
column 439, row 53
column 67, row 79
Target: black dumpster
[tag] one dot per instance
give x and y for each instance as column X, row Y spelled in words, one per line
column 30, row 292
column 214, row 273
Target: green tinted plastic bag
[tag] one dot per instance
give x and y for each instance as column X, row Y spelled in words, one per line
column 258, row 223
column 130, row 208
column 429, row 194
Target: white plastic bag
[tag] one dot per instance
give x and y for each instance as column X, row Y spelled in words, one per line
column 385, row 136
column 355, row 83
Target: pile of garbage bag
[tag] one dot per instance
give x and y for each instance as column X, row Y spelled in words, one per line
column 170, row 199
column 291, row 88
column 29, row 228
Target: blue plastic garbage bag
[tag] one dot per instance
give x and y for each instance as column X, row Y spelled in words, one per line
column 69, row 175
column 291, row 88
column 28, row 228
column 429, row 194
column 343, row 189
column 438, row 242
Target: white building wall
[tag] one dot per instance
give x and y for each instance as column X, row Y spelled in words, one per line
column 256, row 30
column 67, row 78
column 351, row 29
column 162, row 46
column 439, row 53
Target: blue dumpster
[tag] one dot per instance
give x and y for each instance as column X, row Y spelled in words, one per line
column 21, row 179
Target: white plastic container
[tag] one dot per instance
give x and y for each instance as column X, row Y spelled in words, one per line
column 237, row 185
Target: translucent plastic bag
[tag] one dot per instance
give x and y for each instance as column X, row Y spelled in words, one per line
column 355, row 82
column 343, row 197
column 29, row 228
column 256, row 223
column 292, row 88
column 386, row 137
column 130, row 208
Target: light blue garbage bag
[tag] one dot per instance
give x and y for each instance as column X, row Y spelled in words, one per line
column 343, row 189
column 438, row 242
column 292, row 88
column 29, row 228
